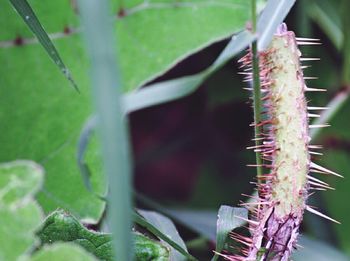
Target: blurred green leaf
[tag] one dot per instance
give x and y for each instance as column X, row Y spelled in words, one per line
column 312, row 249
column 273, row 15
column 228, row 219
column 201, row 221
column 147, row 51
column 328, row 19
column 29, row 17
column 61, row 226
column 20, row 215
column 62, row 252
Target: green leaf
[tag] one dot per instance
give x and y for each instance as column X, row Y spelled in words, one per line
column 29, row 17
column 62, row 252
column 160, row 226
column 313, row 249
column 151, row 49
column 60, row 226
column 227, row 221
column 168, row 228
column 20, row 215
column 53, row 115
column 273, row 15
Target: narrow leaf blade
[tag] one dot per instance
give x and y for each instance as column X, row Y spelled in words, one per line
column 26, row 12
column 161, row 234
column 227, row 221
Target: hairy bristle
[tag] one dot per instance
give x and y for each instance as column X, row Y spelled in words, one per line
column 277, row 211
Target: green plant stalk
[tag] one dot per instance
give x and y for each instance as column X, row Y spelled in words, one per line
column 112, row 125
column 346, row 44
column 256, row 93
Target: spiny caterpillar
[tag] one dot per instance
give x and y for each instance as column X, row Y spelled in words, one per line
column 285, row 150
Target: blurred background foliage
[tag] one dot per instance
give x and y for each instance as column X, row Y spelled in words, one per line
column 190, row 153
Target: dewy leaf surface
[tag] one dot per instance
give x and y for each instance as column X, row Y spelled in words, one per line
column 43, row 114
column 20, row 215
column 60, row 226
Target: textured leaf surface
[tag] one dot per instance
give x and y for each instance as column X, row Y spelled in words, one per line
column 61, row 226
column 40, row 99
column 62, row 252
column 19, row 213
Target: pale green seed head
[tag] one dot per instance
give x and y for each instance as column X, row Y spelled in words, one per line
column 290, row 123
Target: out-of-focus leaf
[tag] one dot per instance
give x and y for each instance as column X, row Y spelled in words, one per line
column 164, row 229
column 62, row 252
column 167, row 227
column 113, row 130
column 273, row 15
column 336, row 158
column 227, row 221
column 326, row 16
column 200, row 221
column 61, row 226
column 316, row 250
column 29, row 17
column 20, row 215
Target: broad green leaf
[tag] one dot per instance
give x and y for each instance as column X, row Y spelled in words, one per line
column 43, row 119
column 29, row 17
column 148, row 50
column 34, row 93
column 62, row 252
column 228, row 219
column 60, row 226
column 20, row 215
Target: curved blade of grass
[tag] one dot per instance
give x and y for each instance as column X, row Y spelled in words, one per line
column 167, row 227
column 112, row 125
column 227, row 221
column 274, row 14
column 26, row 12
column 154, row 230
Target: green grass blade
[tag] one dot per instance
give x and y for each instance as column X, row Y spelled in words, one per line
column 273, row 14
column 112, row 125
column 167, row 227
column 227, row 221
column 26, row 12
column 154, row 230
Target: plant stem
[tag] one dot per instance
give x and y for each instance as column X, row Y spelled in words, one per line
column 256, row 93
